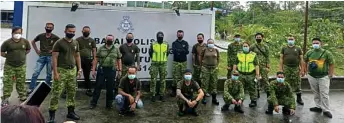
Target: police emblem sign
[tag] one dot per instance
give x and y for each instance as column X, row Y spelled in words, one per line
column 125, row 25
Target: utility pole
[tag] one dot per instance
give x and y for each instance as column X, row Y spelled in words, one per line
column 212, row 6
column 305, row 28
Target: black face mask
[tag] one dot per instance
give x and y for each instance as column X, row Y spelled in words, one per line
column 160, row 39
column 129, row 40
column 259, row 40
column 70, row 35
column 48, row 30
column 85, row 34
column 180, row 38
column 200, row 41
column 109, row 42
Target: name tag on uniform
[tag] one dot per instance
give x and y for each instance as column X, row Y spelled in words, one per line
column 51, row 41
column 132, row 51
column 75, row 47
column 23, row 46
column 89, row 44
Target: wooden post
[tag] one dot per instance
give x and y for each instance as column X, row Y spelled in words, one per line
column 305, row 28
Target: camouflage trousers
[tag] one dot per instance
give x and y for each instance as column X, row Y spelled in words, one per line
column 264, row 82
column 68, row 82
column 285, row 101
column 178, row 72
column 250, row 85
column 209, row 79
column 158, row 68
column 183, row 105
column 196, row 75
column 14, row 75
column 292, row 75
column 228, row 100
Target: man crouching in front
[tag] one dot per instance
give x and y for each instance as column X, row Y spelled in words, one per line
column 186, row 90
column 129, row 87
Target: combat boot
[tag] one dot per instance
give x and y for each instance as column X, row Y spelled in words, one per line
column 238, row 108
column 270, row 109
column 286, row 110
column 71, row 114
column 253, row 103
column 153, row 98
column 267, row 95
column 225, row 107
column 173, row 94
column 204, row 101
column 299, row 99
column 162, row 98
column 214, row 100
column 51, row 116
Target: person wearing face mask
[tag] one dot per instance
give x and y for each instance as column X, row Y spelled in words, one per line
column 46, row 42
column 66, row 62
column 246, row 63
column 186, row 92
column 106, row 71
column 129, row 87
column 319, row 63
column 281, row 93
column 180, row 50
column 210, row 58
column 263, row 55
column 130, row 54
column 291, row 63
column 14, row 50
column 233, row 49
column 87, row 47
column 196, row 51
column 233, row 93
column 159, row 54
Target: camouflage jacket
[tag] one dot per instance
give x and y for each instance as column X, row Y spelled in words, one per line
column 262, row 54
column 232, row 51
column 233, row 90
column 280, row 92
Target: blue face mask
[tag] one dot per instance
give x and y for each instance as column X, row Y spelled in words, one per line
column 280, row 80
column 291, row 42
column 187, row 77
column 131, row 76
column 235, row 77
column 237, row 39
column 211, row 45
column 246, row 49
column 316, row 46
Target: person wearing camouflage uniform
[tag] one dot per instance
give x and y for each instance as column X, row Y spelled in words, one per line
column 233, row 93
column 281, row 93
column 262, row 51
column 210, row 58
column 159, row 54
column 189, row 94
column 291, row 59
column 130, row 54
column 233, row 49
column 246, row 64
column 65, row 56
column 196, row 51
column 180, row 50
column 14, row 50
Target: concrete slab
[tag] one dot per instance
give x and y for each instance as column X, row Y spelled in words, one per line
column 165, row 112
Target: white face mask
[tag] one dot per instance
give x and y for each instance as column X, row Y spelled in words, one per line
column 17, row 36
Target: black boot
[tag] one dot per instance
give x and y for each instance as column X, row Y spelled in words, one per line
column 238, row 108
column 299, row 99
column 89, row 92
column 214, row 100
column 267, row 95
column 153, row 98
column 174, row 89
column 225, row 107
column 51, row 116
column 181, row 112
column 71, row 114
column 270, row 109
column 162, row 98
column 286, row 110
column 253, row 103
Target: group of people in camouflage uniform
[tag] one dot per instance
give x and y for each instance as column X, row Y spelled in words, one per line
column 248, row 67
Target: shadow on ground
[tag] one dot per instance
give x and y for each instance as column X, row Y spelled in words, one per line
column 166, row 112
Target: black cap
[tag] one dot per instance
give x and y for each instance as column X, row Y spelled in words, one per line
column 236, row 35
column 188, row 71
column 158, row 33
column 316, row 39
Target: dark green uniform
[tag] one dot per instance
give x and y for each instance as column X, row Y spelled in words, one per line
column 262, row 51
column 281, row 94
column 196, row 50
column 232, row 52
column 189, row 92
column 46, row 44
column 233, row 90
column 130, row 55
column 291, row 62
column 66, row 63
column 15, row 67
column 210, row 62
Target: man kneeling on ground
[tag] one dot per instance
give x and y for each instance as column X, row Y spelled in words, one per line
column 281, row 94
column 233, row 93
column 129, row 87
column 186, row 90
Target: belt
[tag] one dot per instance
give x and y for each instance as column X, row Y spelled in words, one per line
column 247, row 73
column 70, row 66
column 83, row 57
